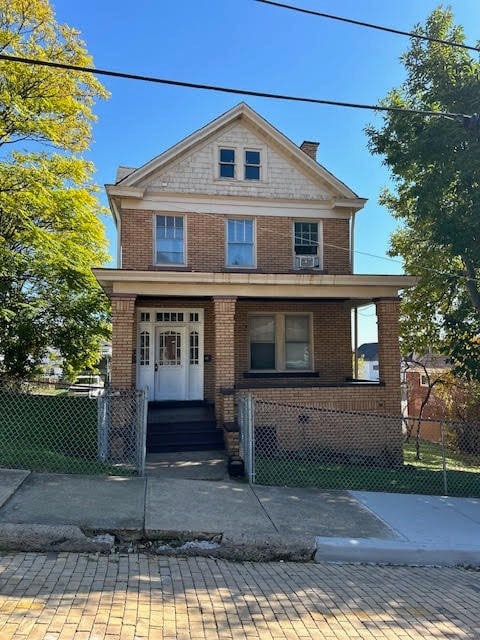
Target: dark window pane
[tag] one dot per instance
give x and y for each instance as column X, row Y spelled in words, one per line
column 306, row 250
column 252, row 157
column 262, row 356
column 227, row 171
column 252, row 173
column 227, row 155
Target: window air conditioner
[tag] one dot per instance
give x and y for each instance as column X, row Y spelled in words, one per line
column 306, row 262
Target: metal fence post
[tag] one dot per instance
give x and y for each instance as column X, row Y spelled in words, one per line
column 103, row 426
column 444, row 462
column 250, row 424
column 142, row 409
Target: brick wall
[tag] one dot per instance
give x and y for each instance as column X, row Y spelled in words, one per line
column 388, row 350
column 206, row 237
column 332, row 351
column 224, row 314
column 433, row 410
column 124, row 333
column 308, row 425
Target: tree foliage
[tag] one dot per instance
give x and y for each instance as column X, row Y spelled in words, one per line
column 51, row 232
column 435, row 167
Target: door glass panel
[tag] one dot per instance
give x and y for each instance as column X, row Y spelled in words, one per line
column 193, row 347
column 169, row 348
column 144, row 348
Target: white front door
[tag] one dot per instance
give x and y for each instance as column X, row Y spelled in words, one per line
column 171, row 365
column 170, row 353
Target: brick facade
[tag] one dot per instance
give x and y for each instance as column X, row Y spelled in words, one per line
column 124, row 340
column 291, row 188
column 205, row 242
column 389, row 350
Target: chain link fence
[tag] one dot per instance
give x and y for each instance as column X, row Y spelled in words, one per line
column 297, row 445
column 51, row 428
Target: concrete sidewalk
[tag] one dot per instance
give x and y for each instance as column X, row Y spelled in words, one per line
column 243, row 521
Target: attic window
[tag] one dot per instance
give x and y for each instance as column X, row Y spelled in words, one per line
column 226, row 165
column 252, row 165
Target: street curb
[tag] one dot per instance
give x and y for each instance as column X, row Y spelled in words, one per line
column 395, row 552
column 44, row 537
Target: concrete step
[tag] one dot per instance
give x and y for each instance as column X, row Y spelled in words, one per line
column 180, row 414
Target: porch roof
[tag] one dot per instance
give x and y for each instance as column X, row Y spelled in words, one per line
column 251, row 285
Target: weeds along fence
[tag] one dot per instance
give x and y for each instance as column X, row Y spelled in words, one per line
column 298, row 445
column 45, row 428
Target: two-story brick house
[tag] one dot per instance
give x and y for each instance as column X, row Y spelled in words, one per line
column 235, row 273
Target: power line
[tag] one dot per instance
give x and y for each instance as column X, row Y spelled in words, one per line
column 245, row 92
column 370, row 25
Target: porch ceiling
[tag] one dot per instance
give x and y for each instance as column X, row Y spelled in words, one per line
column 252, row 285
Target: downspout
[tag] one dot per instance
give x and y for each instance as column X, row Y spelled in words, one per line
column 355, row 311
column 352, row 241
column 355, row 343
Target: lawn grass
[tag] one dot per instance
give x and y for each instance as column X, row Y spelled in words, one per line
column 424, row 476
column 56, row 434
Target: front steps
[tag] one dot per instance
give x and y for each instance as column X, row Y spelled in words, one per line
column 182, row 426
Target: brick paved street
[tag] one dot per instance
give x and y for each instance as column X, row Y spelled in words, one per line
column 71, row 596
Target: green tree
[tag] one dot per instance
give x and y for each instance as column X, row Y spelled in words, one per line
column 435, row 166
column 51, row 232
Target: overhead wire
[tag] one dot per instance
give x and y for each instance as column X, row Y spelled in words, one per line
column 210, row 87
column 360, row 23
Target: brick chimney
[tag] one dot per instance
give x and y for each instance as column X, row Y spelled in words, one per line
column 310, row 148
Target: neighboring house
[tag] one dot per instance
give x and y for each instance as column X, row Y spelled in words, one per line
column 235, row 275
column 52, row 365
column 420, row 373
column 368, row 355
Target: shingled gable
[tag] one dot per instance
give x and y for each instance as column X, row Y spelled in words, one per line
column 342, row 195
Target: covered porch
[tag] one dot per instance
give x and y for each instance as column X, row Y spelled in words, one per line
column 191, row 334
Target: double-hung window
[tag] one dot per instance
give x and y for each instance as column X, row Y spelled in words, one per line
column 226, row 163
column 240, row 243
column 306, row 240
column 280, row 342
column 252, row 165
column 169, row 240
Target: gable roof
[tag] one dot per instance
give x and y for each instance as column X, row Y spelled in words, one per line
column 242, row 112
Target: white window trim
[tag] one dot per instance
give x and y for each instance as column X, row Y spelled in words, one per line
column 244, row 165
column 240, row 164
column 279, row 322
column 173, row 265
column 233, row 266
column 320, row 241
column 235, row 163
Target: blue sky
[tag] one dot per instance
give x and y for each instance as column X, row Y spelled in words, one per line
column 246, row 44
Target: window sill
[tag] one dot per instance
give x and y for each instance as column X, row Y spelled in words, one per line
column 237, row 181
column 281, row 374
column 169, row 267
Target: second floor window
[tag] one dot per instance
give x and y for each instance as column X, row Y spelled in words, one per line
column 306, row 245
column 226, row 165
column 240, row 249
column 169, row 240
